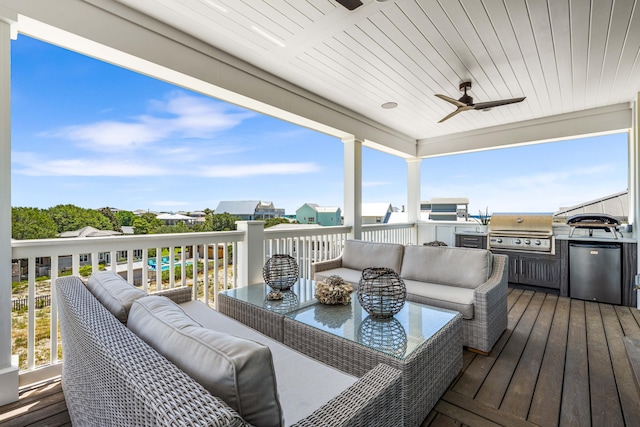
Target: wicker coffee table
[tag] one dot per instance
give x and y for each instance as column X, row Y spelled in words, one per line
column 250, row 306
column 424, row 342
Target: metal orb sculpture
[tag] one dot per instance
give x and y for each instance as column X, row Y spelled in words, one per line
column 381, row 292
column 280, row 272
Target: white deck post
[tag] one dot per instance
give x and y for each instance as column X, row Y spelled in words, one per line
column 250, row 253
column 634, row 176
column 353, row 186
column 413, row 194
column 8, row 367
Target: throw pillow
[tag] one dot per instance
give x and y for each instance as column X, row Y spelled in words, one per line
column 237, row 370
column 113, row 292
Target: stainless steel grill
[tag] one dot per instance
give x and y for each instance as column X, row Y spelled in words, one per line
column 521, row 231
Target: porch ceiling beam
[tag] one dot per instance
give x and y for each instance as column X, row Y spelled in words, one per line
column 603, row 120
column 114, row 33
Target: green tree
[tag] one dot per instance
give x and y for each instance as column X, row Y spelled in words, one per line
column 180, row 227
column 32, row 223
column 113, row 219
column 218, row 222
column 70, row 217
column 125, row 217
column 270, row 222
column 146, row 223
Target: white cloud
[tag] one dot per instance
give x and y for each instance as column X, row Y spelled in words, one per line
column 179, row 116
column 31, row 166
column 236, row 171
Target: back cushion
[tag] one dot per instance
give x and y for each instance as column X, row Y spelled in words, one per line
column 359, row 255
column 463, row 267
column 114, row 293
column 237, row 370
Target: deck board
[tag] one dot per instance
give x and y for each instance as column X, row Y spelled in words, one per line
column 605, row 405
column 517, row 400
column 560, row 362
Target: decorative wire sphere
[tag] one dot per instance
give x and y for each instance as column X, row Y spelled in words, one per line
column 280, row 272
column 385, row 335
column 381, row 292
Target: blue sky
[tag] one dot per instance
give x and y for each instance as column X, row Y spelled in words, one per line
column 92, row 134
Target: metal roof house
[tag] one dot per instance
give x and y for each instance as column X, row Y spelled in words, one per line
column 312, row 213
column 250, row 209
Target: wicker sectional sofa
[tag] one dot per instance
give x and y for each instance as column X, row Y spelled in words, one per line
column 126, row 356
column 471, row 281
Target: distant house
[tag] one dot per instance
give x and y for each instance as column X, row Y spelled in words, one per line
column 311, row 213
column 446, row 208
column 376, row 213
column 174, row 219
column 198, row 216
column 248, row 210
column 616, row 204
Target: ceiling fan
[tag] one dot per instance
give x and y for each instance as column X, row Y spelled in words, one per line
column 466, row 102
column 350, row 4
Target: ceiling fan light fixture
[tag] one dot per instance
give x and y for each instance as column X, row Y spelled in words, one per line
column 389, row 105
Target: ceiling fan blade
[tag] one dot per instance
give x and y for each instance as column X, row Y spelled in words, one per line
column 491, row 104
column 350, row 4
column 458, row 110
column 451, row 100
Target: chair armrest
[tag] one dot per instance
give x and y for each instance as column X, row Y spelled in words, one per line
column 490, row 298
column 177, row 295
column 330, row 264
column 372, row 400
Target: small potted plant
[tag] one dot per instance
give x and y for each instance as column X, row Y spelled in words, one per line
column 483, row 219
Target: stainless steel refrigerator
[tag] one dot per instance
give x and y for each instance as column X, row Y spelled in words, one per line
column 595, row 272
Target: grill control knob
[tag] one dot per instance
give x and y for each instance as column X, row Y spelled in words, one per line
column 498, row 240
column 527, row 242
column 538, row 242
column 517, row 241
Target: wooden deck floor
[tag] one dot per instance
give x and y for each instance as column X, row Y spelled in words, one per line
column 560, row 362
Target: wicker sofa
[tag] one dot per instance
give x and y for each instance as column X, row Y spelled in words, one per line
column 471, row 281
column 111, row 376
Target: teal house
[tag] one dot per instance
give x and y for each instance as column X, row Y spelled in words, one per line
column 311, row 213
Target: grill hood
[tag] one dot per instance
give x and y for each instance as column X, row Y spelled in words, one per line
column 521, row 223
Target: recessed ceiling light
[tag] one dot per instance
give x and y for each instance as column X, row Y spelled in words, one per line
column 389, row 105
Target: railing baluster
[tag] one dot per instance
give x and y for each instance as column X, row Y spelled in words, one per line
column 31, row 314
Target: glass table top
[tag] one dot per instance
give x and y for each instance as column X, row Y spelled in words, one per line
column 398, row 336
column 300, row 295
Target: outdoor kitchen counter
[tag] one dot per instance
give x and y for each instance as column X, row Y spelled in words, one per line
column 599, row 239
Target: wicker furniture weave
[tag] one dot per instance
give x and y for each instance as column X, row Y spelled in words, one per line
column 489, row 320
column 429, row 363
column 111, row 377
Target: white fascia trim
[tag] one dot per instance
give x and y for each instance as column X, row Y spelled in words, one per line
column 596, row 121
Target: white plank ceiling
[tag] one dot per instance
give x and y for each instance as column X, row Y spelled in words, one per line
column 563, row 55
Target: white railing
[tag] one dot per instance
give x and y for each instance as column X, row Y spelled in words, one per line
column 306, row 246
column 210, row 253
column 214, row 253
column 404, row 233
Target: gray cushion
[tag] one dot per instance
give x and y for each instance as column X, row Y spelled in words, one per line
column 359, row 255
column 304, row 384
column 114, row 293
column 464, row 267
column 443, row 296
column 237, row 370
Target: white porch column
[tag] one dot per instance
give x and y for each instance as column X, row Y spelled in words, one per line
column 634, row 178
column 413, row 189
column 353, row 186
column 250, row 252
column 8, row 370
